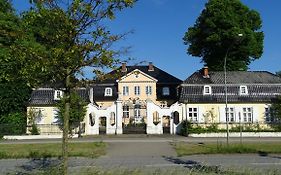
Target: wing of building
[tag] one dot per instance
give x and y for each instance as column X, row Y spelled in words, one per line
column 146, row 99
column 248, row 99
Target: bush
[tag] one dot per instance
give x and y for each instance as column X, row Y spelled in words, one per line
column 34, row 130
column 13, row 124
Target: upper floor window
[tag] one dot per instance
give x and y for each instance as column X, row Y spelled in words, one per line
column 108, row 91
column 166, row 91
column 207, row 90
column 148, row 90
column 125, row 90
column 58, row 95
column 243, row 90
column 137, row 90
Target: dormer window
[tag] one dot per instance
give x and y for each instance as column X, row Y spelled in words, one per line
column 108, row 91
column 58, row 95
column 166, row 91
column 243, row 90
column 207, row 90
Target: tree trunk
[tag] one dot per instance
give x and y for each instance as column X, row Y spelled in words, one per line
column 66, row 126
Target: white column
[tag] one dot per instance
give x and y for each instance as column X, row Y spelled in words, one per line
column 119, row 112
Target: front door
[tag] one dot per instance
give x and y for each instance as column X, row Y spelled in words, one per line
column 166, row 124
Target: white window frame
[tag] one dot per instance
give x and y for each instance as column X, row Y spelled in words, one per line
column 205, row 92
column 165, row 91
column 137, row 111
column 58, row 94
column 148, row 90
column 193, row 114
column 125, row 90
column 247, row 114
column 242, row 92
column 230, row 111
column 108, row 91
column 126, row 111
column 137, row 90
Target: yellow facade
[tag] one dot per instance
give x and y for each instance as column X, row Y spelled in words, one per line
column 137, row 78
column 215, row 113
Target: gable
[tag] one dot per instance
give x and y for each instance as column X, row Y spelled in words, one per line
column 136, row 76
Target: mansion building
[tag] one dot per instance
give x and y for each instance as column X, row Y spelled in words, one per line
column 149, row 98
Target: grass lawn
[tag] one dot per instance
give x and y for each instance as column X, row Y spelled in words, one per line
column 183, row 149
column 92, row 150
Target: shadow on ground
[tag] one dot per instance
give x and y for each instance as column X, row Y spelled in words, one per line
column 194, row 165
column 39, row 165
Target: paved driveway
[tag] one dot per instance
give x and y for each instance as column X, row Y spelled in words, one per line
column 148, row 153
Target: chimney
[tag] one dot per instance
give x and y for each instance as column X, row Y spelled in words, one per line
column 150, row 67
column 124, row 68
column 206, row 72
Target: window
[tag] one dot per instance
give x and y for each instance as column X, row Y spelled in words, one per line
column 207, row 90
column 38, row 116
column 193, row 114
column 58, row 95
column 108, row 92
column 148, row 90
column 125, row 90
column 126, row 112
column 56, row 119
column 112, row 118
column 176, row 117
column 247, row 114
column 267, row 115
column 137, row 111
column 243, row 90
column 92, row 119
column 156, row 118
column 137, row 90
column 230, row 115
column 166, row 91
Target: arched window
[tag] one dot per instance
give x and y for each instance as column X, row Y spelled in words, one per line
column 112, row 118
column 92, row 119
column 156, row 118
column 176, row 117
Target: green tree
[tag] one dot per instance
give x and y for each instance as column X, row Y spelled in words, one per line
column 214, row 35
column 14, row 91
column 78, row 108
column 275, row 112
column 66, row 37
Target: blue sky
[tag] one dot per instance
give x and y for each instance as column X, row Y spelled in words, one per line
column 160, row 25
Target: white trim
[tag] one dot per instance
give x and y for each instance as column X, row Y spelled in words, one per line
column 108, row 92
column 204, row 90
column 58, row 93
column 241, row 88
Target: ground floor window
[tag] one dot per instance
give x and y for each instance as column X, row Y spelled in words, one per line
column 193, row 114
column 230, row 115
column 126, row 112
column 247, row 114
column 267, row 114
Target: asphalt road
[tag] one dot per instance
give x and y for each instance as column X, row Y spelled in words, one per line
column 145, row 138
column 149, row 152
